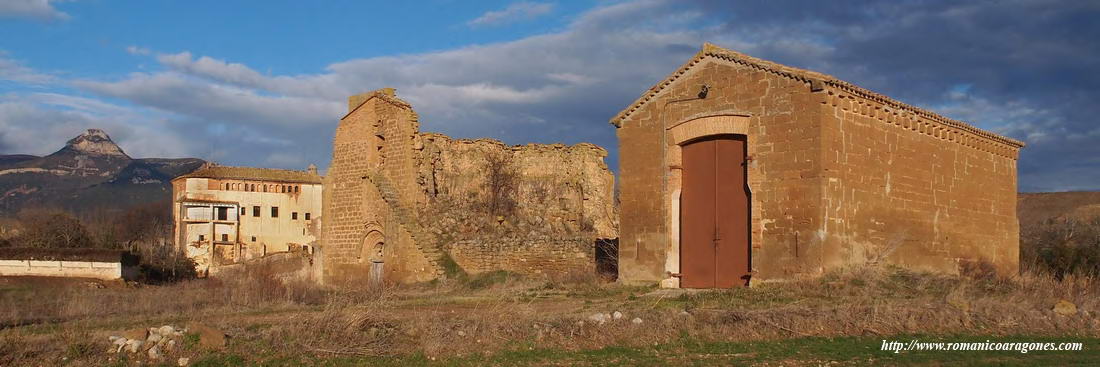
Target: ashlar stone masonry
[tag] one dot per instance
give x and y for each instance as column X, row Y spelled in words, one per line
column 832, row 175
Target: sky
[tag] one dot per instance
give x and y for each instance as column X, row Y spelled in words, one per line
column 264, row 83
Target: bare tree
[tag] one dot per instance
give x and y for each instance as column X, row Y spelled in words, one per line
column 501, row 181
column 48, row 228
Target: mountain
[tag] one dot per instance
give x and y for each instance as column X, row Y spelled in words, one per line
column 91, row 172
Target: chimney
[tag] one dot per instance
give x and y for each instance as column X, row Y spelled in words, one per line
column 312, row 169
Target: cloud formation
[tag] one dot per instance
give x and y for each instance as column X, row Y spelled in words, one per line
column 35, row 9
column 523, row 10
column 11, row 70
column 40, row 123
column 1023, row 68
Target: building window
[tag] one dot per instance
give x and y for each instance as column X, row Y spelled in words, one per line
column 243, row 211
column 223, row 213
column 294, row 216
column 253, row 238
column 202, row 237
column 256, row 211
column 274, row 212
column 307, row 216
column 225, row 237
column 252, row 187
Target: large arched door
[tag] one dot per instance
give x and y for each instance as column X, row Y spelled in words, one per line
column 714, row 213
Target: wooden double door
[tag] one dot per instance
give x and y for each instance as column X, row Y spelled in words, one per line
column 714, row 214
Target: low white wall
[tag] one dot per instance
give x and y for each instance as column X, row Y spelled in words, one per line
column 71, row 269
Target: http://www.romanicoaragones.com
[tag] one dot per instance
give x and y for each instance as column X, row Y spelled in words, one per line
column 1022, row 347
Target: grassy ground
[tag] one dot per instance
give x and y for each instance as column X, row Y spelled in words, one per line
column 839, row 351
column 500, row 319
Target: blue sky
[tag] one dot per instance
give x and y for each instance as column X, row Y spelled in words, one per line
column 264, row 83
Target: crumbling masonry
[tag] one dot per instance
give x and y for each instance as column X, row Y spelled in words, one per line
column 406, row 206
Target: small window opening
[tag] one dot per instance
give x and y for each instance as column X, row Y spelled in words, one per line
column 274, row 212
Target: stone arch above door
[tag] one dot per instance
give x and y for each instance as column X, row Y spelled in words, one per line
column 698, row 127
column 372, row 244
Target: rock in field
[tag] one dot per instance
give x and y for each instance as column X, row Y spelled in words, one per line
column 1065, row 308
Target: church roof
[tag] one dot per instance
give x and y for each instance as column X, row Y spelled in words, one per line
column 817, row 81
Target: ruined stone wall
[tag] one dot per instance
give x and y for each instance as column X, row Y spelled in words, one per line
column 371, row 151
column 783, row 172
column 558, row 202
column 903, row 188
column 419, row 193
column 532, row 256
column 556, row 189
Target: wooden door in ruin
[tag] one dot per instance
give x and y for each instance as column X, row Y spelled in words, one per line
column 714, row 214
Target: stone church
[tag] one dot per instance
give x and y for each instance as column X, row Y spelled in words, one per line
column 768, row 172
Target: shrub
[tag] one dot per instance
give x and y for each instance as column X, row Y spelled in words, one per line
column 502, row 181
column 1062, row 247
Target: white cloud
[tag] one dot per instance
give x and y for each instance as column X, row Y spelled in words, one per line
column 564, row 86
column 40, row 123
column 37, row 9
column 14, row 71
column 138, row 50
column 515, row 12
column 177, row 93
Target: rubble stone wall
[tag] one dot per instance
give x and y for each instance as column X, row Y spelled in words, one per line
column 424, row 194
column 533, row 256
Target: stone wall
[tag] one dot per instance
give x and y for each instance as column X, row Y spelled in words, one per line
column 556, row 189
column 904, row 189
column 68, row 269
column 533, row 256
column 371, row 159
column 399, row 199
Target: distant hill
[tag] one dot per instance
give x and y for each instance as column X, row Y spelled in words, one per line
column 1034, row 208
column 90, row 172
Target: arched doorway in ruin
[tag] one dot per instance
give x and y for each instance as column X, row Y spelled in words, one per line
column 372, row 253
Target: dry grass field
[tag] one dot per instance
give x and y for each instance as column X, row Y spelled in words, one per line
column 501, row 319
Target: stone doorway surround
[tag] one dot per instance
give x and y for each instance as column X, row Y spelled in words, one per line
column 676, row 135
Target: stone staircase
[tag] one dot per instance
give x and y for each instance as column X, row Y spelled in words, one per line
column 407, row 219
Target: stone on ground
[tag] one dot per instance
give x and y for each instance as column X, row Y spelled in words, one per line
column 1065, row 308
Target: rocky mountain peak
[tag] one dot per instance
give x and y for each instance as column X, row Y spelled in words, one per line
column 95, row 142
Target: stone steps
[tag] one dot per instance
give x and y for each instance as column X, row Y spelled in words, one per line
column 408, row 221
